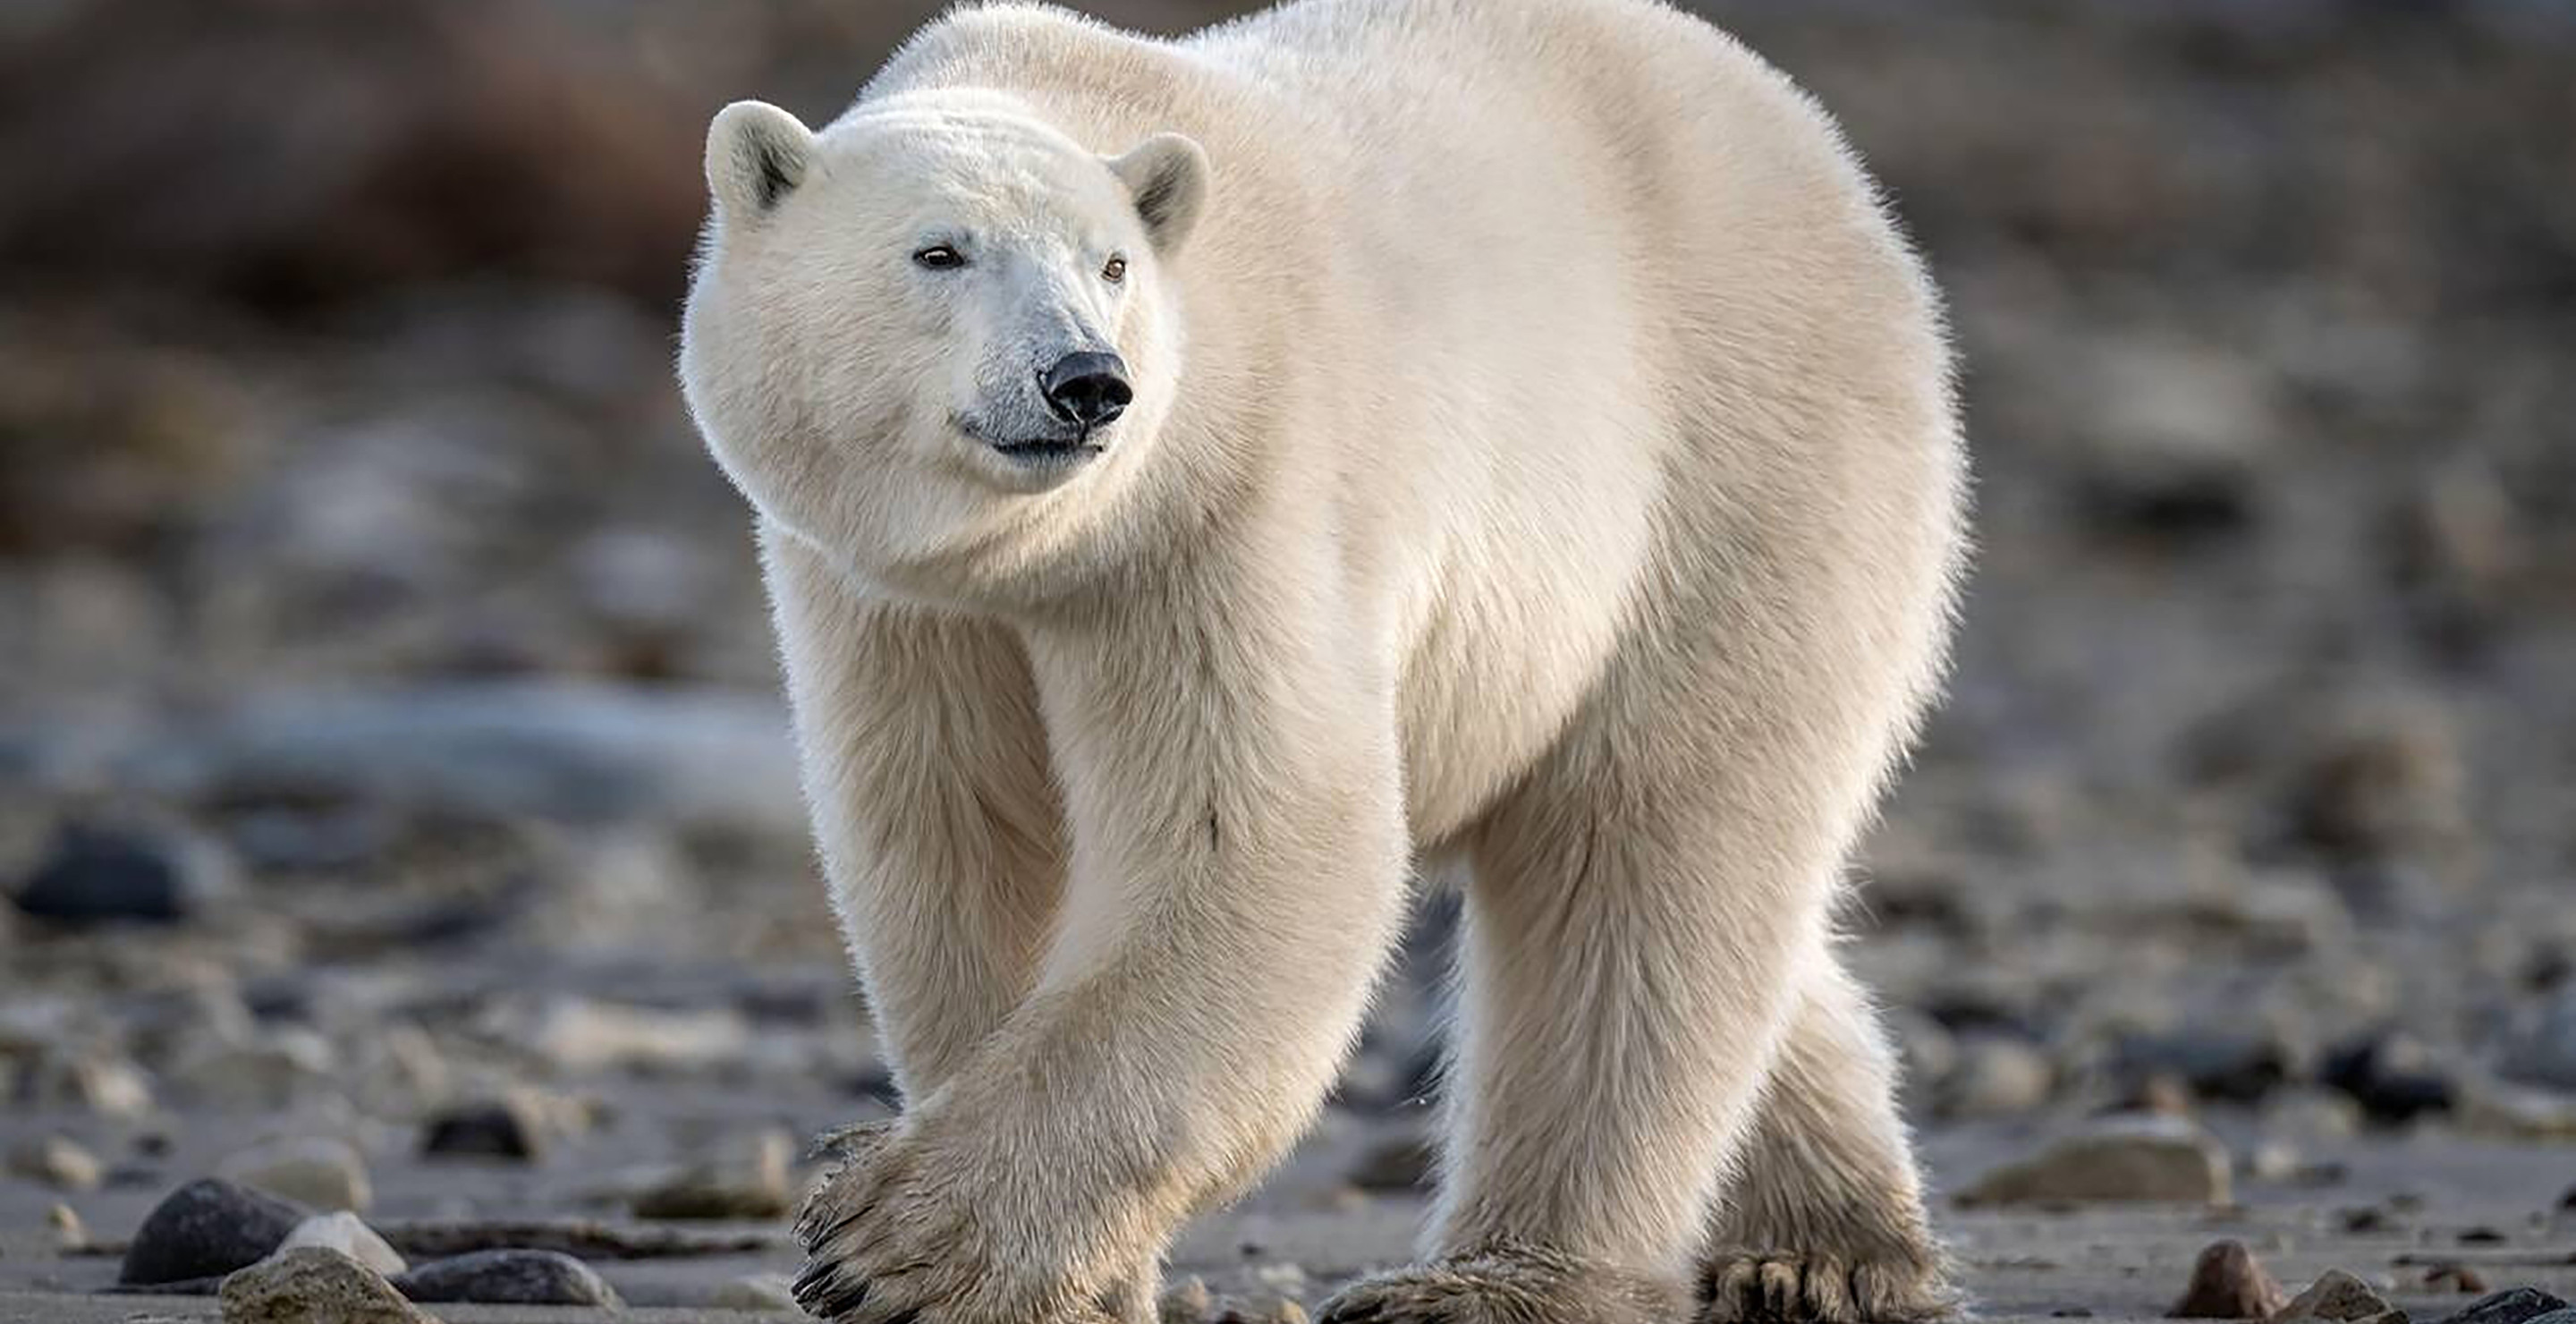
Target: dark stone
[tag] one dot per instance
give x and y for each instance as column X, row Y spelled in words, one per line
column 2390, row 1089
column 2235, row 1068
column 207, row 1228
column 493, row 1128
column 2170, row 502
column 508, row 1277
column 97, row 873
column 2514, row 1305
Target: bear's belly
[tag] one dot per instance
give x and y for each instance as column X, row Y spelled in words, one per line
column 1509, row 630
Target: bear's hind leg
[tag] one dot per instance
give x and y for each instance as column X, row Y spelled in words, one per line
column 1639, row 920
column 1825, row 1217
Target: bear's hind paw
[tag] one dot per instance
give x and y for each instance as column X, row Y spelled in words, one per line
column 1786, row 1287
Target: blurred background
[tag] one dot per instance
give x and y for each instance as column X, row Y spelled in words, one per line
column 387, row 716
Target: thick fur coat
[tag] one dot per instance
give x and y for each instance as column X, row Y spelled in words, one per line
column 1537, row 458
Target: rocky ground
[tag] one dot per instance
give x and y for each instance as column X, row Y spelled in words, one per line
column 395, row 813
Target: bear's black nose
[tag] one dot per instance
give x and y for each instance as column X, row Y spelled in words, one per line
column 1087, row 389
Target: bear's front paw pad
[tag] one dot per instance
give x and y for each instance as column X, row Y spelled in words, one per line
column 1786, row 1287
column 1504, row 1285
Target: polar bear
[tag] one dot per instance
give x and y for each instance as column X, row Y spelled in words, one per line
column 1205, row 485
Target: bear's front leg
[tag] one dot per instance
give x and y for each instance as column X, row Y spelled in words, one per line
column 1238, row 869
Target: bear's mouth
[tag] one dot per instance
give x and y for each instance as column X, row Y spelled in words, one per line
column 1034, row 452
column 1047, row 451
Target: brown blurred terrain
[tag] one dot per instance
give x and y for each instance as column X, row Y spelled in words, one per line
column 387, row 715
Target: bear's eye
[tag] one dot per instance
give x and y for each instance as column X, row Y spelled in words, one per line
column 1115, row 271
column 939, row 257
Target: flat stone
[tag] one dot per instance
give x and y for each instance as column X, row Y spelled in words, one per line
column 2227, row 1282
column 508, row 1277
column 2134, row 1158
column 208, row 1227
column 347, row 1234
column 314, row 1285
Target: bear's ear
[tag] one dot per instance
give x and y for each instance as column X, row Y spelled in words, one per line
column 1167, row 175
column 756, row 155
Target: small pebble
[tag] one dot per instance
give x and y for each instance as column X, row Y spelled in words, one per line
column 65, row 1223
column 1185, row 1302
column 508, row 1127
column 57, row 1162
column 2227, row 1282
column 740, row 1179
column 1996, row 1076
column 2458, row 1278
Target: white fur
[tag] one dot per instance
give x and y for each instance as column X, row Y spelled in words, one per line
column 1542, row 459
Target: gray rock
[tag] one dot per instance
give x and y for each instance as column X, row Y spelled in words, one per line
column 205, row 1228
column 314, row 1285
column 2130, row 1158
column 2543, row 1050
column 2227, row 1282
column 508, row 1277
column 2340, row 1296
column 99, row 872
column 574, row 751
column 57, row 1162
column 2518, row 1305
column 344, row 1233
column 324, row 1173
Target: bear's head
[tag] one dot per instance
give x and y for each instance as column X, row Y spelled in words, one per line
column 935, row 324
